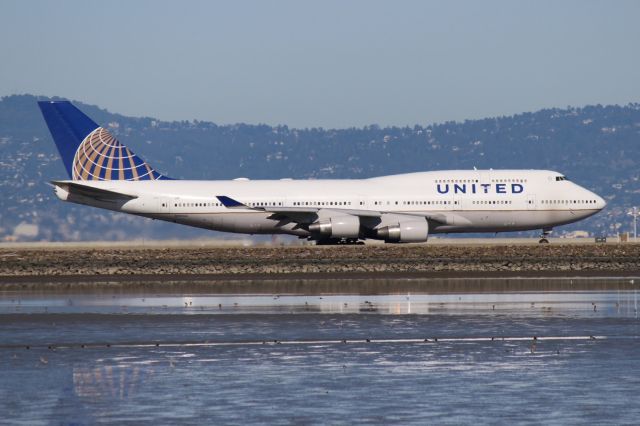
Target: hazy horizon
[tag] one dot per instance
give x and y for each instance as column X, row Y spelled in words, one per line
column 425, row 124
column 331, row 65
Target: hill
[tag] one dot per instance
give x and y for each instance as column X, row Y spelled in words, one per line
column 596, row 146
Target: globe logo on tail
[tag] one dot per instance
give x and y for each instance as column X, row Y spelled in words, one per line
column 101, row 157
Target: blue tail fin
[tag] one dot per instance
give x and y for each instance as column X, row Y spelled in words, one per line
column 90, row 152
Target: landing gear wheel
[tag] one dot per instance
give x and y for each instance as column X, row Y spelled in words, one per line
column 328, row 242
column 339, row 242
column 544, row 235
column 351, row 241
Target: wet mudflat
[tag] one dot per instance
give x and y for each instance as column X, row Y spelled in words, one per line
column 503, row 351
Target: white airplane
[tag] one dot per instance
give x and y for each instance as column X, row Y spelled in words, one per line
column 403, row 208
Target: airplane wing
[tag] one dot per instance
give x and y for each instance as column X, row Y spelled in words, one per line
column 299, row 215
column 89, row 191
column 296, row 214
column 310, row 214
column 354, row 212
column 305, row 216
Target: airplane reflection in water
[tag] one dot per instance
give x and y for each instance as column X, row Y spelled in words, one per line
column 107, row 356
column 617, row 303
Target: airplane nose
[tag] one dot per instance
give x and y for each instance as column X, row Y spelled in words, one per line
column 600, row 202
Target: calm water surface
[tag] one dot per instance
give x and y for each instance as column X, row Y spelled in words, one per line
column 560, row 356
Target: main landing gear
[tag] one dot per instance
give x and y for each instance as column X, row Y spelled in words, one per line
column 545, row 233
column 339, row 242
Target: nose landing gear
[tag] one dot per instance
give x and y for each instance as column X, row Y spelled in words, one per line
column 545, row 233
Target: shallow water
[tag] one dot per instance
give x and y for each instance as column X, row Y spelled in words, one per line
column 463, row 357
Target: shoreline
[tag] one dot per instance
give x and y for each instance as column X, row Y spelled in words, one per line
column 318, row 276
column 322, row 284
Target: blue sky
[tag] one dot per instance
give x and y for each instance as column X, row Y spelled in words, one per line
column 325, row 63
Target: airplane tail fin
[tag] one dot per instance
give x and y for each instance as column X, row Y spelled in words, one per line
column 90, row 152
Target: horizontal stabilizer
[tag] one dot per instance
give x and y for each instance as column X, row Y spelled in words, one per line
column 92, row 192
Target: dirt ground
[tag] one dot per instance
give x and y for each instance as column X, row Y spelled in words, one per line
column 368, row 260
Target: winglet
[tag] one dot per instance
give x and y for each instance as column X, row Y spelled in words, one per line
column 230, row 203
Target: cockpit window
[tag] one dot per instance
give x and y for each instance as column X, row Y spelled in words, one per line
column 559, row 178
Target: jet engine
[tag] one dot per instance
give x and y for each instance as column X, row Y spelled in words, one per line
column 413, row 231
column 337, row 227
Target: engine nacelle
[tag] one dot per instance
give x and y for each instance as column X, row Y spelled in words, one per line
column 405, row 232
column 337, row 227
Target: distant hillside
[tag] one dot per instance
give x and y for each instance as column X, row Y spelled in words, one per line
column 596, row 146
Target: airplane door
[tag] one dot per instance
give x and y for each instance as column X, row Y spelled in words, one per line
column 365, row 202
column 361, row 202
column 531, row 202
column 163, row 205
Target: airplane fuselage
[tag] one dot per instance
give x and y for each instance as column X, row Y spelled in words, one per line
column 452, row 201
column 398, row 209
